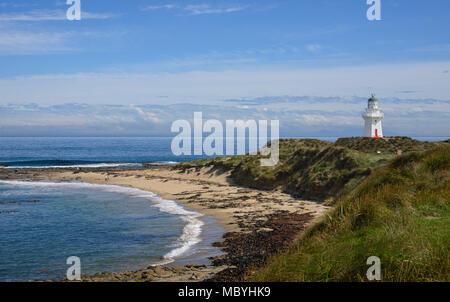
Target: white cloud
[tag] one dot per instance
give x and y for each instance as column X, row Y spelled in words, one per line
column 199, row 9
column 49, row 15
column 299, row 117
column 313, row 119
column 37, row 15
column 206, row 9
column 146, row 115
column 313, row 47
column 424, row 80
column 20, row 43
column 15, row 4
column 157, row 7
column 97, row 16
column 33, row 42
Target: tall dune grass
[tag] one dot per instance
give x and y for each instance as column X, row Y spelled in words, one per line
column 399, row 213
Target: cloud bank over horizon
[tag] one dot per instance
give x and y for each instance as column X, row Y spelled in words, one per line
column 298, row 116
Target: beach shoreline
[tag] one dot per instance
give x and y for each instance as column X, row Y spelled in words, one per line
column 247, row 215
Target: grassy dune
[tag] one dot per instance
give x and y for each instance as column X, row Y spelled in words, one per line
column 314, row 169
column 399, row 213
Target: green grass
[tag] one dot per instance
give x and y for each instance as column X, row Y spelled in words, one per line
column 315, row 169
column 399, row 213
column 386, row 145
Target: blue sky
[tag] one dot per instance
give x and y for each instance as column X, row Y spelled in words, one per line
column 146, row 53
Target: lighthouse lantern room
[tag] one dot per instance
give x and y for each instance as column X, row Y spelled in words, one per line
column 373, row 117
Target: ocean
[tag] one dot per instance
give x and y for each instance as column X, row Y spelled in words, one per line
column 22, row 152
column 109, row 228
column 84, row 151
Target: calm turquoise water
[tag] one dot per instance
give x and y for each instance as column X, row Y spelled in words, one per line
column 109, row 228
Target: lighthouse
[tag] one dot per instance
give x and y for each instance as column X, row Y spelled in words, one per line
column 373, row 117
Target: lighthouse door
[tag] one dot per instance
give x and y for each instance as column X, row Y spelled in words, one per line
column 376, row 132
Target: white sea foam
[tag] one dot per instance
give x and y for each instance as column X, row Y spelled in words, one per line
column 99, row 165
column 191, row 232
column 164, row 163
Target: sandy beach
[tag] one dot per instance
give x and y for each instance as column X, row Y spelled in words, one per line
column 246, row 214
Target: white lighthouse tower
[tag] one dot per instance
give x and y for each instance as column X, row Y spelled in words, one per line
column 373, row 117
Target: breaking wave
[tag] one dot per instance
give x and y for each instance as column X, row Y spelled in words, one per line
column 47, row 164
column 190, row 236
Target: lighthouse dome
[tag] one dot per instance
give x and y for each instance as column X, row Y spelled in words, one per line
column 373, row 102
